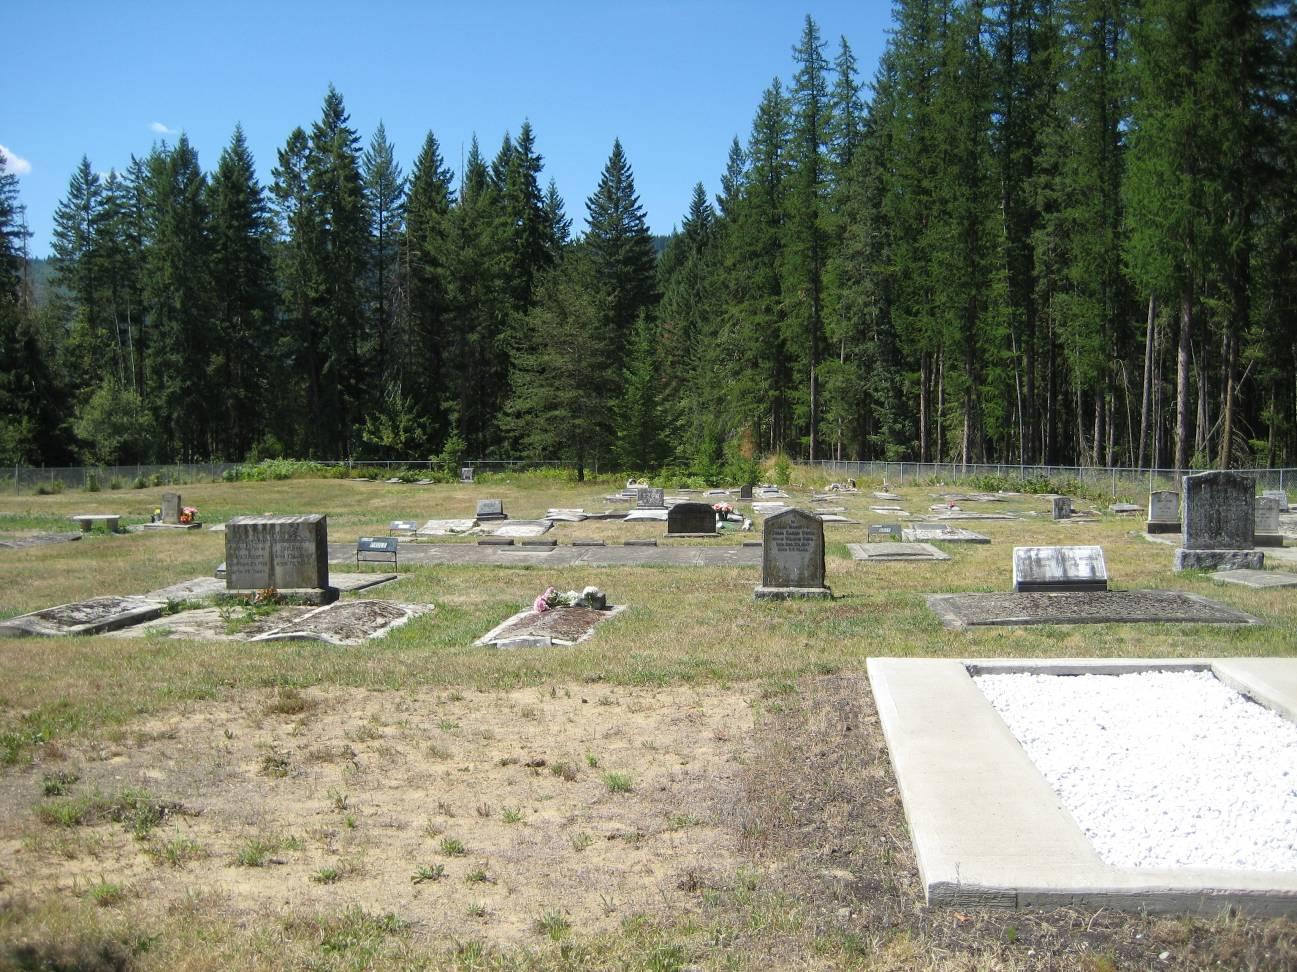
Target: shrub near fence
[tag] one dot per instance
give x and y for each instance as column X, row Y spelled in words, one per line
column 1116, row 480
column 49, row 479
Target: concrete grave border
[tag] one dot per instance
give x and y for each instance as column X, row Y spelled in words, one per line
column 988, row 829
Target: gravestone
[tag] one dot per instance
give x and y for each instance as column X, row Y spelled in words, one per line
column 1266, row 530
column 1062, row 507
column 1219, row 519
column 745, row 491
column 889, row 531
column 1059, row 569
column 1281, row 495
column 170, row 507
column 286, row 553
column 402, row 528
column 792, row 557
column 491, row 509
column 650, row 498
column 466, row 474
column 1163, row 511
column 691, row 520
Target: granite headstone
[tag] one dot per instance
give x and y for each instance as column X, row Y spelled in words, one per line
column 1218, row 523
column 650, row 498
column 691, row 519
column 745, row 491
column 792, row 557
column 170, row 507
column 491, row 509
column 286, row 553
column 1266, row 531
column 1163, row 511
column 1062, row 507
column 466, row 474
column 1059, row 569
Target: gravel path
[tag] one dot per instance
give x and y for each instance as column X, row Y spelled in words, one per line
column 1161, row 769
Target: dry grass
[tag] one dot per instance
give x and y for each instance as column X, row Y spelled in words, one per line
column 815, row 821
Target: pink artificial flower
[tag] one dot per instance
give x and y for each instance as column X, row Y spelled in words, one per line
column 541, row 604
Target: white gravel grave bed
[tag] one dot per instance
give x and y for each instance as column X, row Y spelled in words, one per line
column 1161, row 769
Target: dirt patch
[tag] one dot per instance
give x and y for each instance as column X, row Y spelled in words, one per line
column 228, row 623
column 564, row 625
column 349, row 622
column 471, row 815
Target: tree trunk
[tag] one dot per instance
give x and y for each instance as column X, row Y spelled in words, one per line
column 1227, row 406
column 1182, row 383
column 1146, row 392
column 925, row 380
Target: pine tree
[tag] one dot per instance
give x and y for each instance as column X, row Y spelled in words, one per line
column 530, row 245
column 621, row 248
column 558, row 225
column 637, row 413
column 384, row 200
column 243, row 293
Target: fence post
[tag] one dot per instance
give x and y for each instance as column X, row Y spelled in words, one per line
column 1114, row 483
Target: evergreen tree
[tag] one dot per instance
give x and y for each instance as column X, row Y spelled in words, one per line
column 242, row 363
column 621, row 249
column 637, row 413
column 530, row 245
column 384, row 200
column 558, row 226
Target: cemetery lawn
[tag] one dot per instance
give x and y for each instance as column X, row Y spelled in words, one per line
column 708, row 786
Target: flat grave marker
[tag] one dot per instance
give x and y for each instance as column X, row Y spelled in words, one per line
column 1258, row 579
column 1082, row 607
column 92, row 616
column 446, row 528
column 941, row 533
column 885, row 531
column 562, row 626
column 402, row 528
column 346, row 622
column 890, row 552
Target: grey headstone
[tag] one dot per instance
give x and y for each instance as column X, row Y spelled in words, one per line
column 490, row 509
column 1281, row 495
column 466, row 474
column 170, row 507
column 283, row 552
column 691, row 518
column 1164, row 506
column 1059, row 569
column 891, row 531
column 745, row 491
column 1267, row 532
column 792, row 556
column 1062, row 508
column 650, row 498
column 1219, row 511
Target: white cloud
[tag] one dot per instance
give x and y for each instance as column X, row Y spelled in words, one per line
column 160, row 129
column 15, row 163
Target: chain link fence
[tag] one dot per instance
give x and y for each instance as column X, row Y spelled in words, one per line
column 1119, row 480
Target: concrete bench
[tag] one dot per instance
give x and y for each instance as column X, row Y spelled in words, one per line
column 87, row 521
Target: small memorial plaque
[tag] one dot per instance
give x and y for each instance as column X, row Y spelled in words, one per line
column 691, row 519
column 886, row 531
column 491, row 509
column 280, row 552
column 792, row 557
column 1059, row 569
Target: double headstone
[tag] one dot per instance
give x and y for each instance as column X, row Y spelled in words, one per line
column 1062, row 509
column 1163, row 511
column 1059, row 569
column 1219, row 521
column 691, row 520
column 792, row 557
column 171, row 508
column 283, row 553
column 1266, row 530
column 650, row 498
column 491, row 509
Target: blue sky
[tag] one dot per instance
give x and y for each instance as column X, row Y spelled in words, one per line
column 674, row 80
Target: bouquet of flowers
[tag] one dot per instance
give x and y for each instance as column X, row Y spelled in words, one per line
column 189, row 514
column 724, row 509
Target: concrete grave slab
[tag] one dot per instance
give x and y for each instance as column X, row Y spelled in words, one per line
column 638, row 516
column 360, row 582
column 1082, row 607
column 564, row 626
column 888, row 552
column 1259, row 579
column 941, row 533
column 347, row 622
column 947, row 514
column 37, row 540
column 1122, row 509
column 885, row 496
column 524, row 528
column 1013, row 844
column 198, row 589
column 446, row 528
column 695, row 555
column 835, row 518
column 92, row 616
column 566, row 516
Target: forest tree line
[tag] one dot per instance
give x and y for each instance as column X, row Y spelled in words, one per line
column 1057, row 231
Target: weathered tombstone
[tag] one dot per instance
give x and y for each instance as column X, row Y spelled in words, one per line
column 1163, row 511
column 491, row 509
column 1266, row 531
column 1281, row 495
column 650, row 498
column 745, row 491
column 1219, row 519
column 466, row 474
column 792, row 557
column 286, row 553
column 171, row 508
column 1059, row 569
column 1062, row 507
column 691, row 520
